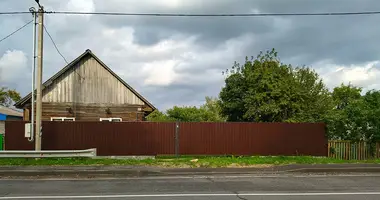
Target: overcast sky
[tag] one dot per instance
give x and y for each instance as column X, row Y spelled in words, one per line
column 178, row 61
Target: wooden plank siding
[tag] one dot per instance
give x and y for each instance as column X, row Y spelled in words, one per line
column 26, row 114
column 89, row 82
column 85, row 89
column 90, row 112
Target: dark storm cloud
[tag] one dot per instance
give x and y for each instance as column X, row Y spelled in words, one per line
column 148, row 36
column 180, row 94
column 344, row 39
column 211, row 30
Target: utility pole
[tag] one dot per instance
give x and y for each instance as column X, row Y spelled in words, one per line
column 39, row 79
column 34, row 13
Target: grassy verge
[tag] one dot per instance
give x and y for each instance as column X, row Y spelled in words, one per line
column 187, row 161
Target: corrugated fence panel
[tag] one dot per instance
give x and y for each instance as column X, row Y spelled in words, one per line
column 125, row 138
column 14, row 136
column 252, row 139
column 151, row 138
column 110, row 138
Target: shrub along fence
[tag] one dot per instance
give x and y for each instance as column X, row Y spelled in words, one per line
column 153, row 138
column 349, row 150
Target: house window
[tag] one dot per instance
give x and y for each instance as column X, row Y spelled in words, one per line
column 60, row 119
column 110, row 119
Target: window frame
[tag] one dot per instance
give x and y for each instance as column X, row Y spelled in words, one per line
column 109, row 119
column 62, row 119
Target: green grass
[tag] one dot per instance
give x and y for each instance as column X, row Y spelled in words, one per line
column 184, row 161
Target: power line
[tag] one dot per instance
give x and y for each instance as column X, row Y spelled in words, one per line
column 13, row 13
column 51, row 38
column 201, row 15
column 59, row 52
column 214, row 15
column 16, row 31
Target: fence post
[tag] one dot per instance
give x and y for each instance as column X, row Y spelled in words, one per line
column 177, row 138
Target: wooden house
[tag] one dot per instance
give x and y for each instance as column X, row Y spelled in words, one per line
column 87, row 90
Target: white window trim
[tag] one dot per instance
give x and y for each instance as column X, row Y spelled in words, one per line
column 61, row 118
column 110, row 119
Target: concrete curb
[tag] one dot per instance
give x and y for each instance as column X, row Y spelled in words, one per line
column 133, row 171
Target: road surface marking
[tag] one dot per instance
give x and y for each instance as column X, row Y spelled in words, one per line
column 189, row 195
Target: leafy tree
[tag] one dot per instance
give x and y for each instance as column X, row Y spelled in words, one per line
column 266, row 90
column 344, row 120
column 311, row 98
column 356, row 126
column 345, row 94
column 157, row 116
column 354, row 117
column 209, row 112
column 8, row 96
column 231, row 98
column 213, row 110
column 187, row 114
column 372, row 102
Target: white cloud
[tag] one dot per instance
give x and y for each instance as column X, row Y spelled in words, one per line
column 81, row 5
column 69, row 21
column 160, row 72
column 365, row 75
column 168, row 3
column 13, row 65
column 141, row 6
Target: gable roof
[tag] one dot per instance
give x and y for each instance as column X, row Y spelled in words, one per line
column 10, row 111
column 72, row 64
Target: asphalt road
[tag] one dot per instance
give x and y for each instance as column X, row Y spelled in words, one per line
column 305, row 187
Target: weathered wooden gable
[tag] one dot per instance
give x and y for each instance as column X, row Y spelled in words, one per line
column 88, row 81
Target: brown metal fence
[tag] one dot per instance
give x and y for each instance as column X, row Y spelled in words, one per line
column 109, row 138
column 252, row 139
column 151, row 138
